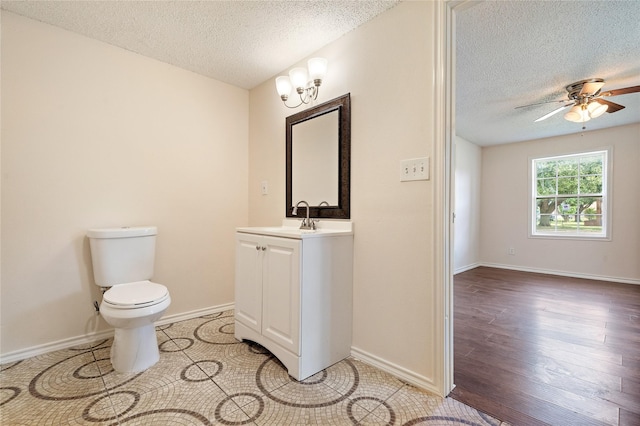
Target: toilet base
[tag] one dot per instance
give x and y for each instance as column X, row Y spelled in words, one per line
column 134, row 349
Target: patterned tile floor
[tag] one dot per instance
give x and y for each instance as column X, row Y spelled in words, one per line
column 206, row 377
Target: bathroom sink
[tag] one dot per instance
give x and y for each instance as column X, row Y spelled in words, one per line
column 291, row 229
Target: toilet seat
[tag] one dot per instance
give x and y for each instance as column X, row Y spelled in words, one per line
column 139, row 294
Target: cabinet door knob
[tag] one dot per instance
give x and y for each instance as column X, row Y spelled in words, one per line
column 263, row 248
column 257, row 247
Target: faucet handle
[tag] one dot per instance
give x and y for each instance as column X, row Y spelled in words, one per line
column 313, row 223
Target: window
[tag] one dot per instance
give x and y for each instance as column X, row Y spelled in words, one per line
column 569, row 196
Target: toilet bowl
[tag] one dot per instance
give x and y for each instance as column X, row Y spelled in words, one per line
column 123, row 260
column 132, row 309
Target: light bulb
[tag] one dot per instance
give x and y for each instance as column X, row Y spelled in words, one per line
column 283, row 86
column 317, row 69
column 573, row 114
column 298, row 78
column 596, row 109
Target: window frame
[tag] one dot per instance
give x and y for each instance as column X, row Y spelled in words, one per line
column 607, row 172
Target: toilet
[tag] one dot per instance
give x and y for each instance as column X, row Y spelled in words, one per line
column 123, row 260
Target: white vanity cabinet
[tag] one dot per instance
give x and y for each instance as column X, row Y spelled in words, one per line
column 294, row 295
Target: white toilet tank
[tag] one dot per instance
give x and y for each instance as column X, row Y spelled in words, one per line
column 122, row 255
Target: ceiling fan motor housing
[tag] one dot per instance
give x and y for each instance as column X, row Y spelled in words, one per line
column 575, row 89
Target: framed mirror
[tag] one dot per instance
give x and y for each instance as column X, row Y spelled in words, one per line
column 318, row 150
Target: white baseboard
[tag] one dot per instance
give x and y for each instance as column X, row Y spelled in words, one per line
column 92, row 337
column 195, row 314
column 466, row 268
column 562, row 273
column 401, row 373
column 32, row 351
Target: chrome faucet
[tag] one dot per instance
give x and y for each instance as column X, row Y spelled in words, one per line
column 306, row 222
column 323, row 203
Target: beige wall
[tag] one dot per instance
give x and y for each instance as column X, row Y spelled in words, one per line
column 96, row 136
column 388, row 67
column 468, row 176
column 504, row 211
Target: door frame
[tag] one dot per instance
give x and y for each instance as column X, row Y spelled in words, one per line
column 444, row 192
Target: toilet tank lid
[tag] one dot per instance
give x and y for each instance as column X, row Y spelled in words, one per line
column 124, row 232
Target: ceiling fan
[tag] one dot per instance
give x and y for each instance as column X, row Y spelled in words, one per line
column 587, row 100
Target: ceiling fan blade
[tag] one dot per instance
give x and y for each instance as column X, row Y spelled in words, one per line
column 623, row 91
column 591, row 88
column 544, row 103
column 554, row 112
column 613, row 107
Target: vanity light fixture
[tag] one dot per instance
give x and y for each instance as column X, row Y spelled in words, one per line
column 306, row 82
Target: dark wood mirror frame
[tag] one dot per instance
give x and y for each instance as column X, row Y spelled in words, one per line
column 343, row 209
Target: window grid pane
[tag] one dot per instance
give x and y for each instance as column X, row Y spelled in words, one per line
column 547, row 186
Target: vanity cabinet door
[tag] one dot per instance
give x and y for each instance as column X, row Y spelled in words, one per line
column 281, row 292
column 248, row 303
column 268, row 288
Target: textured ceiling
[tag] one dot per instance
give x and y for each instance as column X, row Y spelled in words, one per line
column 509, row 53
column 242, row 43
column 522, row 52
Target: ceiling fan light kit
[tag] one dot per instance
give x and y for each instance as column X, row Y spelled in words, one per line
column 577, row 114
column 585, row 112
column 586, row 100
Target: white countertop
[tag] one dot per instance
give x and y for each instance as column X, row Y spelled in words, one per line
column 291, row 229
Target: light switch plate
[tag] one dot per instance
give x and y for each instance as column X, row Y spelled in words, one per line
column 414, row 169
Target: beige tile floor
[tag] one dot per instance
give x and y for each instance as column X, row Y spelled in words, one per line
column 206, row 377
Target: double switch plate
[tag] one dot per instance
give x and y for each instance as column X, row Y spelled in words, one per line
column 414, row 169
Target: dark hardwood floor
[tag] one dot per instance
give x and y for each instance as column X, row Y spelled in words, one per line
column 535, row 349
